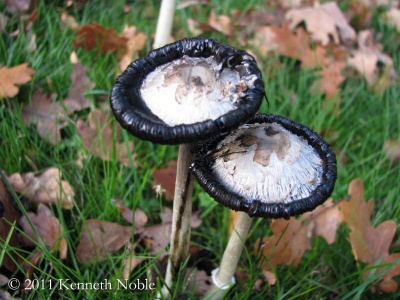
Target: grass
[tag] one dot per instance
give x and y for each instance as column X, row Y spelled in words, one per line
column 327, row 271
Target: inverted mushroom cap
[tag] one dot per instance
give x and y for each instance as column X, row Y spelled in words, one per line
column 269, row 167
column 187, row 91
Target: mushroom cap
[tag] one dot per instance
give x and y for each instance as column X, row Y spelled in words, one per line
column 269, row 167
column 192, row 65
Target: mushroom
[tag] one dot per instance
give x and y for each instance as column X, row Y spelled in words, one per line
column 185, row 92
column 270, row 167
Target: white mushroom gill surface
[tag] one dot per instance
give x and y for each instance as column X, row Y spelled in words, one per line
column 187, row 90
column 268, row 163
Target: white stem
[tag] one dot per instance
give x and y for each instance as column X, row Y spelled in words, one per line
column 181, row 218
column 223, row 278
column 164, row 23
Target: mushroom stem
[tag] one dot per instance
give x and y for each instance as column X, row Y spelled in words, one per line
column 164, row 23
column 223, row 277
column 181, row 217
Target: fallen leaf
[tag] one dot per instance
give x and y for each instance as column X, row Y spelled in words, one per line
column 291, row 238
column 369, row 244
column 47, row 227
column 100, row 239
column 331, row 78
column 392, row 150
column 76, row 99
column 138, row 217
column 135, row 41
column 11, row 77
column 324, row 22
column 97, row 138
column 166, row 179
column 94, row 36
column 49, row 117
column 45, row 188
column 68, row 21
column 131, row 262
column 17, row 6
column 365, row 59
column 221, row 23
column 8, row 215
column 392, row 18
column 198, row 281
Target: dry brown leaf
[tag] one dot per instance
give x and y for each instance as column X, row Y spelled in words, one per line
column 95, row 36
column 198, row 281
column 76, row 99
column 331, row 78
column 101, row 239
column 166, row 179
column 392, row 18
column 17, row 6
column 291, row 238
column 8, row 215
column 135, row 41
column 45, row 188
column 392, row 150
column 3, row 21
column 138, row 218
column 49, row 117
column 131, row 262
column 11, row 77
column 68, row 21
column 365, row 59
column 157, row 236
column 369, row 244
column 221, row 23
column 324, row 22
column 98, row 139
column 48, row 228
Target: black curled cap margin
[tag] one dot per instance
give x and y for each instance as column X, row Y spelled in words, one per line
column 202, row 170
column 132, row 113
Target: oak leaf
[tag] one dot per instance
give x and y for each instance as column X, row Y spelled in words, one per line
column 47, row 227
column 11, row 77
column 370, row 244
column 291, row 238
column 95, row 36
column 49, row 117
column 324, row 22
column 45, row 188
column 100, row 239
column 138, row 217
column 98, row 138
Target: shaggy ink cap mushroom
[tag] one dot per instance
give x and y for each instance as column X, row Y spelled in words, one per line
column 187, row 91
column 269, row 167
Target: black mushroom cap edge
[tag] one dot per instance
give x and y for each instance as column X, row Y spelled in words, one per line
column 202, row 163
column 133, row 114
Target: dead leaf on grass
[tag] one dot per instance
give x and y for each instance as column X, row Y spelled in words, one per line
column 100, row 239
column 135, row 41
column 98, row 139
column 48, row 116
column 76, row 99
column 48, row 228
column 94, row 36
column 44, row 188
column 11, row 77
column 291, row 238
column 370, row 244
column 138, row 218
column 324, row 22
